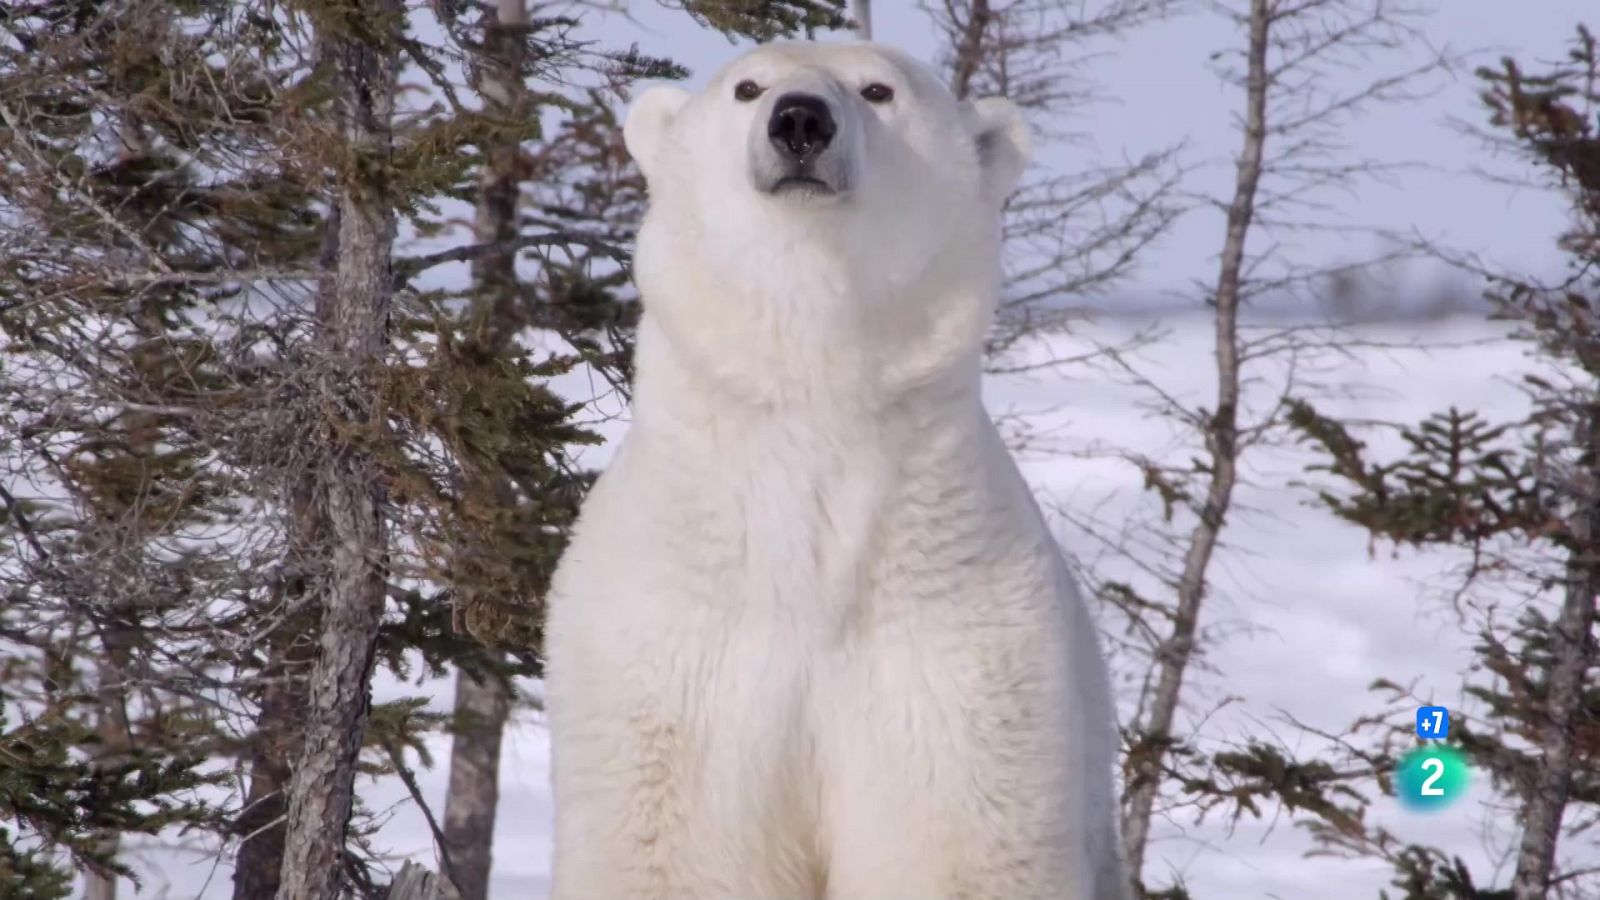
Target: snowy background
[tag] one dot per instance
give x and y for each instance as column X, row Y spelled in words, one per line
column 1306, row 613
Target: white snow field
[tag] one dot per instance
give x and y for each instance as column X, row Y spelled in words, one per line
column 1304, row 613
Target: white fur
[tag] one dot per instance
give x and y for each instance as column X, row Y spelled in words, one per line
column 812, row 637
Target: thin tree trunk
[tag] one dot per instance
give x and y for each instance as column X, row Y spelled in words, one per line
column 115, row 727
column 481, row 710
column 350, row 590
column 118, row 630
column 290, row 648
column 279, row 733
column 1222, row 435
column 102, row 887
column 259, row 825
column 969, row 49
column 861, row 11
column 505, row 97
column 483, row 704
column 1572, row 654
column 114, row 737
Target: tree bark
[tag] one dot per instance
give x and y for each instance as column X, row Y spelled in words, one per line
column 504, row 96
column 102, row 887
column 290, row 648
column 483, row 703
column 119, row 628
column 115, row 737
column 481, row 710
column 1221, row 437
column 1572, row 654
column 259, row 826
column 413, row 882
column 350, row 588
column 279, row 733
column 117, row 631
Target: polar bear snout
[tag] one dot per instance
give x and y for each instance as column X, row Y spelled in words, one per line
column 799, row 147
column 801, row 126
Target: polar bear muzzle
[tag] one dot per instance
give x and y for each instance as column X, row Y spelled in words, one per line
column 799, row 155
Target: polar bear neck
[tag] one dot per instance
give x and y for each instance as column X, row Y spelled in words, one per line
column 808, row 328
column 834, row 388
column 799, row 491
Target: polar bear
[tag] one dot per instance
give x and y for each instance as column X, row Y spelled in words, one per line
column 812, row 637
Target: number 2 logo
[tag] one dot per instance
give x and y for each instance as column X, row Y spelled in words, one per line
column 1436, row 766
column 1431, row 778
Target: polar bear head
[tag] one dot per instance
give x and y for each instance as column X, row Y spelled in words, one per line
column 821, row 213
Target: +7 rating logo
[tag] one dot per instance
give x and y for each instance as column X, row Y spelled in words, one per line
column 1433, row 723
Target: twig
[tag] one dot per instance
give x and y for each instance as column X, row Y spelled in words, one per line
column 409, row 779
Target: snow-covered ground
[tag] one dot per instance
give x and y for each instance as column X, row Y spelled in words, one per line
column 1304, row 614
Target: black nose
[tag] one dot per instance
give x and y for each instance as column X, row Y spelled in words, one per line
column 801, row 125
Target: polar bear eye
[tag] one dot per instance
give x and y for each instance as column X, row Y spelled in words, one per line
column 747, row 90
column 877, row 93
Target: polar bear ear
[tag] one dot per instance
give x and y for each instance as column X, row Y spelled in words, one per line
column 1003, row 145
column 649, row 117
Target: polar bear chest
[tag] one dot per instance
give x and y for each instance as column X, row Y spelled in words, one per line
column 790, row 517
column 769, row 593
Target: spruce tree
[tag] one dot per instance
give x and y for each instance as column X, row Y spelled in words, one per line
column 1521, row 499
column 138, row 211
